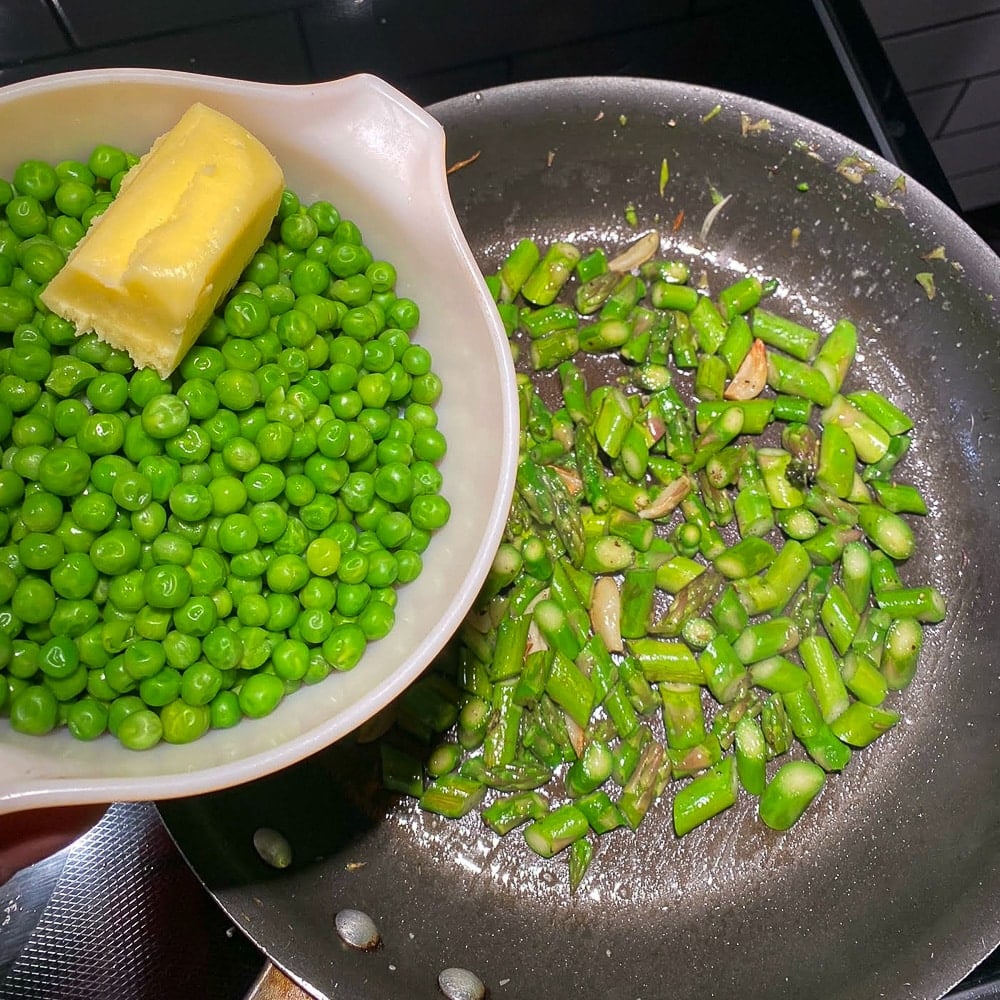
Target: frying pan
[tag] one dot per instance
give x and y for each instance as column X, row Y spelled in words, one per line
column 889, row 886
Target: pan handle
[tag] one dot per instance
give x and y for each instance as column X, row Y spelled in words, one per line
column 273, row 984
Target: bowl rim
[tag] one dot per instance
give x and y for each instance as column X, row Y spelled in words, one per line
column 39, row 789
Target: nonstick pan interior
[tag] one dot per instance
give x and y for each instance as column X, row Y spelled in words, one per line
column 890, row 887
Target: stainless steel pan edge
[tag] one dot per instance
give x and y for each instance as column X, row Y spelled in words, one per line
column 891, row 886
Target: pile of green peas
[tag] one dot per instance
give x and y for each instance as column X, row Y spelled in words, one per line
column 178, row 554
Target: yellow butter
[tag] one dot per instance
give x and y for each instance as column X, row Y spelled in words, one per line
column 189, row 216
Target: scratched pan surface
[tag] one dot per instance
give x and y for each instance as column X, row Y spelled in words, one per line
column 889, row 886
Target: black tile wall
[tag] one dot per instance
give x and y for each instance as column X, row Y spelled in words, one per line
column 232, row 49
column 94, row 23
column 434, row 49
column 409, row 38
column 29, row 30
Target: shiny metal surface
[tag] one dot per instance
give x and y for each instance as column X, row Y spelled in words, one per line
column 117, row 915
column 891, row 888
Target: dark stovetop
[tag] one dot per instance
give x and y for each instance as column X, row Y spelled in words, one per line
column 119, row 914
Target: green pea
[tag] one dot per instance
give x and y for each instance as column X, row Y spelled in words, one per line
column 41, row 259
column 66, row 689
column 352, row 597
column 115, row 674
column 418, row 541
column 319, row 592
column 33, row 430
column 144, row 658
column 164, row 416
column 26, row 216
column 427, row 477
column 41, row 510
column 34, row 710
column 290, row 659
column 247, row 567
column 394, row 529
column 298, row 230
column 320, row 512
column 33, row 601
column 221, row 428
column 429, row 444
column 98, row 686
column 150, row 522
column 200, row 397
column 376, row 620
column 394, row 483
column 17, row 393
column 382, row 275
column 238, row 390
column 222, row 648
column 37, row 178
column 108, row 392
column 180, row 649
column 262, row 269
column 252, row 610
column 87, row 718
column 184, row 722
column 303, row 444
column 409, row 565
column 287, row 573
column 310, row 277
column 73, row 197
column 196, row 616
column 125, row 591
column 224, row 710
column 139, row 729
column 190, row 501
column 152, row 623
column 323, row 556
column 58, row 658
column 200, row 683
column 373, row 388
column 132, row 490
column 278, row 298
column 294, row 539
column 294, row 361
column 264, row 482
column 105, row 161
column 426, row 389
column 270, row 520
column 323, row 313
column 24, row 659
column 345, row 646
column 101, row 434
column 167, row 586
column 121, row 708
column 66, row 231
column 299, row 490
column 74, row 170
column 74, row 576
column 68, row 417
column 75, row 617
column 161, row 688
column 202, row 361
column 404, row 313
column 416, row 360
column 242, row 355
column 260, row 694
column 382, row 569
column 430, row 511
column 325, row 215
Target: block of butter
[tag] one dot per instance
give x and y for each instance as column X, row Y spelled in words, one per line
column 189, row 216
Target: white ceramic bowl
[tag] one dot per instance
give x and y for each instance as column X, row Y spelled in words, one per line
column 377, row 156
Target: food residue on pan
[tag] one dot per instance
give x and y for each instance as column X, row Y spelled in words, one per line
column 464, row 163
